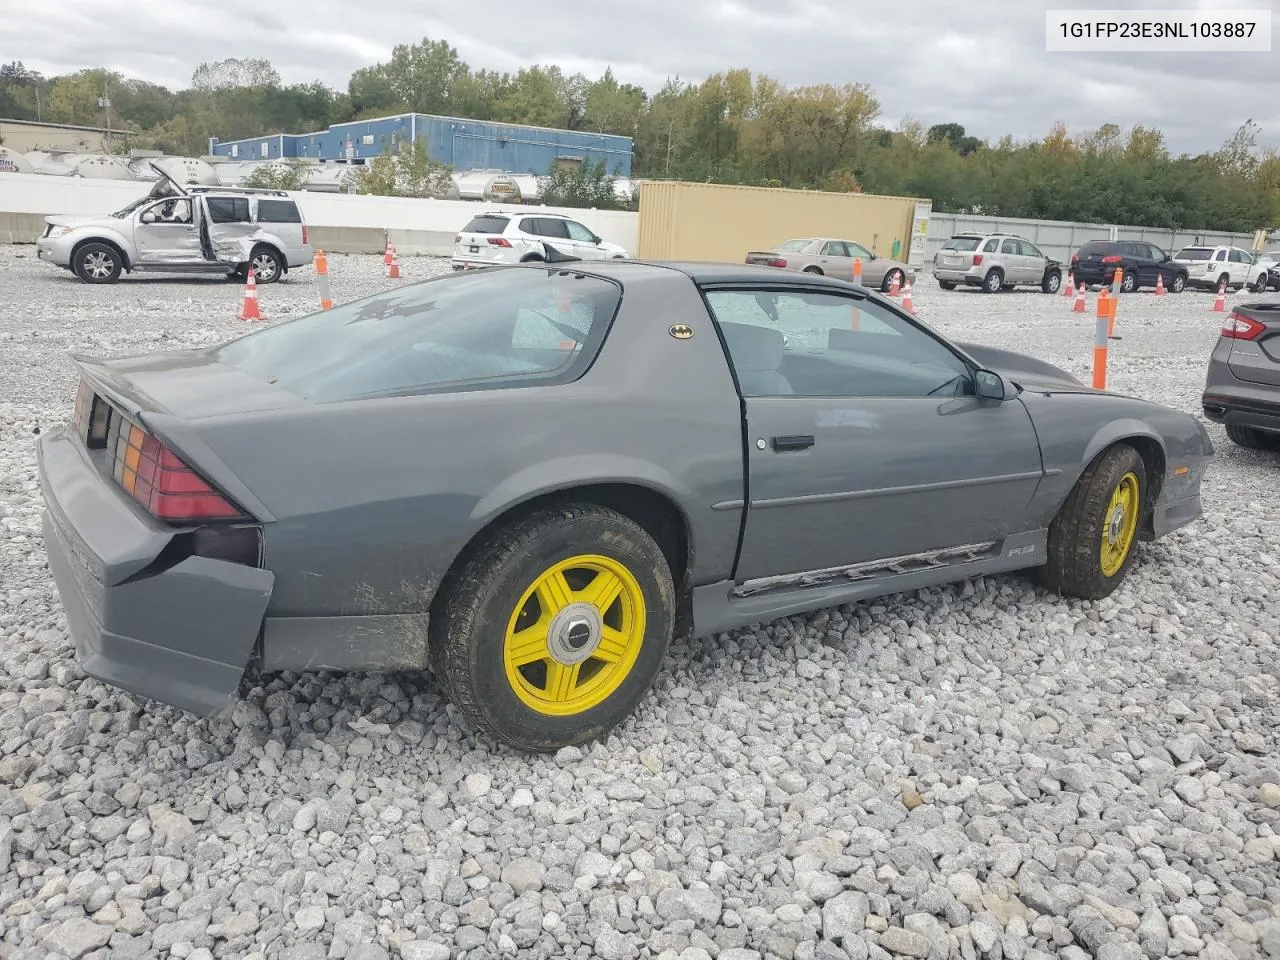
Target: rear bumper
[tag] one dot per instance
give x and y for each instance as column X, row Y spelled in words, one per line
column 957, row 275
column 179, row 632
column 1238, row 411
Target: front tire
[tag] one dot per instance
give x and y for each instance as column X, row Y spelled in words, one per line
column 1261, row 285
column 1179, row 283
column 97, row 263
column 994, row 281
column 1052, row 281
column 553, row 629
column 1092, row 539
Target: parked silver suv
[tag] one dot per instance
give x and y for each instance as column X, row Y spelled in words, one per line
column 994, row 262
column 177, row 229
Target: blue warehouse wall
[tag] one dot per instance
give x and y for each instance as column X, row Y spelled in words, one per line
column 465, row 144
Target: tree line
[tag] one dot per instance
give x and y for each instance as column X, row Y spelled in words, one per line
column 733, row 127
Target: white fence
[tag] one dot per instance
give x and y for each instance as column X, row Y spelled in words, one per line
column 22, row 193
column 1062, row 238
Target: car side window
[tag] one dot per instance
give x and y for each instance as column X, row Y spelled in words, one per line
column 1238, row 256
column 1220, row 256
column 834, row 248
column 549, row 227
column 531, row 225
column 787, row 342
column 1030, row 250
column 578, row 232
column 228, row 209
column 169, row 211
column 1011, row 247
column 857, row 250
column 990, row 246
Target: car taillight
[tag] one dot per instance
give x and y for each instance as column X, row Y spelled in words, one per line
column 777, row 262
column 159, row 480
column 1240, row 327
column 1112, row 259
column 977, row 259
column 304, row 234
column 84, row 401
column 91, row 417
column 499, row 242
column 1075, row 259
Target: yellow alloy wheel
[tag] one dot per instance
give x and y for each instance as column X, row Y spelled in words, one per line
column 575, row 635
column 1119, row 524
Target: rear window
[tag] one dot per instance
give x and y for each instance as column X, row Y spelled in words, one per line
column 793, row 246
column 484, row 224
column 228, row 209
column 1097, row 246
column 278, row 211
column 962, row 243
column 1194, row 253
column 469, row 331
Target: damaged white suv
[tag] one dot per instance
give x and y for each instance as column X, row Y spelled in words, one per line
column 177, row 229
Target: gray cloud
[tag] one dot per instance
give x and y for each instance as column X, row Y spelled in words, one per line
column 981, row 63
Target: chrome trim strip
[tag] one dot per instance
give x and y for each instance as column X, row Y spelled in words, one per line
column 882, row 491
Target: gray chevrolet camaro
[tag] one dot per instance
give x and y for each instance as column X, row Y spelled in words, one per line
column 528, row 479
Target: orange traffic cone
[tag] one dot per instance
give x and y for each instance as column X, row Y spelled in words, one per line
column 393, row 265
column 1079, row 305
column 907, row 305
column 1160, row 291
column 893, row 286
column 250, row 309
column 1220, row 304
column 1070, row 285
column 322, row 277
column 388, row 255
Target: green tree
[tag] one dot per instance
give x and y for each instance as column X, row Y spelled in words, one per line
column 292, row 175
column 406, row 171
column 586, row 185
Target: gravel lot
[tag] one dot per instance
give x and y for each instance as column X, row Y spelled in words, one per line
column 981, row 770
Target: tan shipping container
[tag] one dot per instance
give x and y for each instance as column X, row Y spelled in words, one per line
column 721, row 222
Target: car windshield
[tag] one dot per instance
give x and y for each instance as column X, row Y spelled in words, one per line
column 962, row 243
column 793, row 246
column 121, row 214
column 1194, row 253
column 501, row 328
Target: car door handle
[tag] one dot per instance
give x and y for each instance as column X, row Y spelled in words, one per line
column 799, row 441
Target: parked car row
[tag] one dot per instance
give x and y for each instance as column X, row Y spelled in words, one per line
column 1002, row 261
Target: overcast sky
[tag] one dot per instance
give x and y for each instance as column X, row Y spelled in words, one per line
column 981, row 63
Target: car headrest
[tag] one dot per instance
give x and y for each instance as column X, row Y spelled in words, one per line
column 753, row 347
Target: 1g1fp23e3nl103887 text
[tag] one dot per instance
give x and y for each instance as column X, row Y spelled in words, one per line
column 1158, row 31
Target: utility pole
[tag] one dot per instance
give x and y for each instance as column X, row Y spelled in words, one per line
column 104, row 102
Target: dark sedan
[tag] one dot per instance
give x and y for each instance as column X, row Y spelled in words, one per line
column 528, row 478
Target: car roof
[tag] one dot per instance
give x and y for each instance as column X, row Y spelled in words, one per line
column 524, row 213
column 701, row 272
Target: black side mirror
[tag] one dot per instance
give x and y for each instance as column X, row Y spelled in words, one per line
column 989, row 385
column 595, row 239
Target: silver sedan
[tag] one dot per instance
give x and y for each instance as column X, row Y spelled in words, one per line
column 834, row 257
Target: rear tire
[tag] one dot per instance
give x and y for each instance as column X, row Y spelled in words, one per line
column 1252, row 439
column 994, row 281
column 97, row 263
column 518, row 667
column 267, row 264
column 1129, row 283
column 1093, row 539
column 947, row 284
column 817, row 270
column 887, row 283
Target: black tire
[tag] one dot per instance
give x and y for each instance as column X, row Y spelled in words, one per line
column 533, row 258
column 887, row 283
column 1252, row 439
column 947, row 284
column 1074, row 566
column 97, row 263
column 994, row 281
column 1052, row 281
column 812, row 269
column 1224, row 283
column 1261, row 285
column 1179, row 283
column 468, row 623
column 1129, row 282
column 268, row 266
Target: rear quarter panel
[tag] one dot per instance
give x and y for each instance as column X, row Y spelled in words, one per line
column 374, row 499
